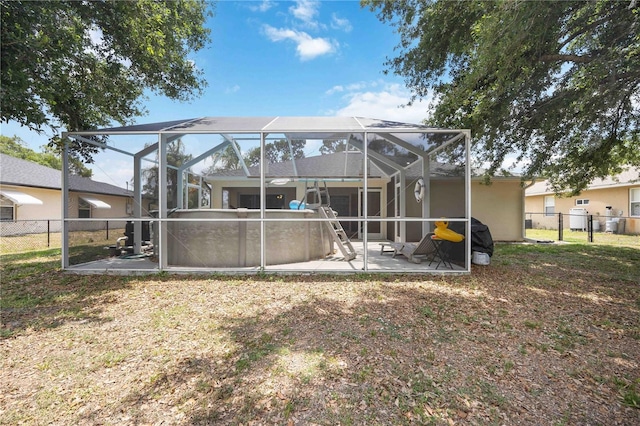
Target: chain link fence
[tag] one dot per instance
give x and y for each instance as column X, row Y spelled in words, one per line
column 28, row 235
column 578, row 227
column 20, row 236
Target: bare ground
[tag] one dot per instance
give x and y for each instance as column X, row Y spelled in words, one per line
column 531, row 340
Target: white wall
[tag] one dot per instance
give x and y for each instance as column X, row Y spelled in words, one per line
column 50, row 209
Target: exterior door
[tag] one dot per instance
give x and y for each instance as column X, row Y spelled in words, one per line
column 374, row 209
column 342, row 205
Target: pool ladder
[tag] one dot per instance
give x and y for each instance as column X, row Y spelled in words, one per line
column 320, row 196
column 338, row 233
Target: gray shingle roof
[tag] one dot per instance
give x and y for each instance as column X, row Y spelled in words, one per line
column 629, row 177
column 337, row 165
column 15, row 171
column 334, row 165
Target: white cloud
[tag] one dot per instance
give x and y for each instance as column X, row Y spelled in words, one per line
column 263, row 6
column 338, row 23
column 335, row 89
column 307, row 46
column 385, row 103
column 232, row 89
column 350, row 88
column 306, row 11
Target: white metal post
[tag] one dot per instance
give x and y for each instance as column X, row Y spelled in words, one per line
column 467, row 178
column 263, row 196
column 426, row 200
column 401, row 202
column 365, row 201
column 137, row 203
column 162, row 202
column 65, row 201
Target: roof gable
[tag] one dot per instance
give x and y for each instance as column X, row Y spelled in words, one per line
column 19, row 172
column 629, row 177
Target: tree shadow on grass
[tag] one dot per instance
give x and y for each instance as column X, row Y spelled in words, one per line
column 427, row 353
column 314, row 362
column 37, row 294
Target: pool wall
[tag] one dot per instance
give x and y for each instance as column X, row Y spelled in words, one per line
column 227, row 244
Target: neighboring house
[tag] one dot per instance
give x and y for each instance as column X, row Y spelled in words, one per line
column 499, row 205
column 30, row 191
column 605, row 199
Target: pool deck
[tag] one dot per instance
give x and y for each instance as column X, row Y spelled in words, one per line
column 378, row 261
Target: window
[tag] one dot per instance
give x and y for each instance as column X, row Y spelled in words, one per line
column 249, row 201
column 84, row 209
column 275, row 201
column 549, row 205
column 634, row 201
column 6, row 209
column 582, row 202
column 198, row 193
column 225, row 199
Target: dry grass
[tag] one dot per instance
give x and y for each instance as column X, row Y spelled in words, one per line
column 27, row 243
column 544, row 335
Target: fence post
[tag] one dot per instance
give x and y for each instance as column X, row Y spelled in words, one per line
column 590, row 227
column 107, row 230
column 560, row 226
column 48, row 233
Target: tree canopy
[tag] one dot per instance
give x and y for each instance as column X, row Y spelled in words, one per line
column 555, row 83
column 176, row 157
column 86, row 64
column 276, row 152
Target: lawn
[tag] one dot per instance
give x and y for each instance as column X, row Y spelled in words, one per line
column 583, row 237
column 547, row 334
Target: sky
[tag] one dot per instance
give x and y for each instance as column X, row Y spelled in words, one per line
column 287, row 58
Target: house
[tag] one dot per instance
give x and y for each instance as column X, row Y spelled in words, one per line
column 613, row 200
column 30, row 191
column 499, row 205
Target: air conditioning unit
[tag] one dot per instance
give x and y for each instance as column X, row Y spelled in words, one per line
column 578, row 219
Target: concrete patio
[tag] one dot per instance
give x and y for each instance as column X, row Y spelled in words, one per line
column 377, row 262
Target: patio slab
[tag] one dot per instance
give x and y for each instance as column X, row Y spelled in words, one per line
column 378, row 261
